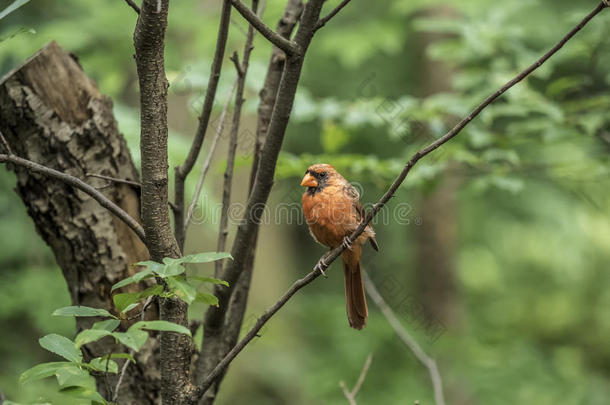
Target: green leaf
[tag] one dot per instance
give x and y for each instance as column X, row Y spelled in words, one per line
column 160, row 325
column 133, row 338
column 99, row 364
column 205, row 257
column 136, row 278
column 82, row 311
column 109, row 325
column 84, row 393
column 182, row 289
column 171, row 269
column 61, row 346
column 207, row 298
column 74, row 377
column 124, row 300
column 14, row 6
column 90, row 335
column 154, row 266
column 209, row 280
column 43, row 370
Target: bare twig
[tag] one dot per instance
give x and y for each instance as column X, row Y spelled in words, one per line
column 330, row 15
column 182, row 171
column 7, row 147
column 246, row 232
column 407, row 339
column 242, row 69
column 208, row 159
column 81, row 185
column 351, row 395
column 131, row 183
column 133, row 5
column 132, row 353
column 325, row 261
column 276, row 39
column 217, row 343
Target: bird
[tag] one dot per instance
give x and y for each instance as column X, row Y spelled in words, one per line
column 332, row 212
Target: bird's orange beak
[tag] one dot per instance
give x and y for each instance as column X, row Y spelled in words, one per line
column 309, row 181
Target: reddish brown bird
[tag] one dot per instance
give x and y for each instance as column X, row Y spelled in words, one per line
column 333, row 212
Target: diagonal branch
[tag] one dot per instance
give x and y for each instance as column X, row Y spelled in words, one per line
column 327, row 259
column 79, row 184
column 276, row 39
column 407, row 339
column 182, row 171
column 133, row 5
column 322, row 22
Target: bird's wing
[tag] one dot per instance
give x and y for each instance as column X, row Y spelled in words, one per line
column 353, row 193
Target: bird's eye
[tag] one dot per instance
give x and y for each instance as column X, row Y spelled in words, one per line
column 322, row 175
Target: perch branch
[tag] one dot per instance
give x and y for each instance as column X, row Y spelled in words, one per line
column 81, row 185
column 276, row 39
column 407, row 339
column 322, row 22
column 351, row 395
column 327, row 259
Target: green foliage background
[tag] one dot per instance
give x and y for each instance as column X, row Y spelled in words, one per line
column 533, row 201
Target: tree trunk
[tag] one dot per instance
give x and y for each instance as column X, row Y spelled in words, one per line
column 53, row 114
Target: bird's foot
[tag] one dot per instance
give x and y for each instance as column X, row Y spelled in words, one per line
column 607, row 3
column 347, row 243
column 320, row 266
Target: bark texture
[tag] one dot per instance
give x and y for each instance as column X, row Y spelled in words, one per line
column 53, row 114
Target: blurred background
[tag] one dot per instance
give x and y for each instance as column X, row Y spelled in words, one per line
column 494, row 253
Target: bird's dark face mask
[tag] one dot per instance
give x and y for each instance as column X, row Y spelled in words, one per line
column 314, row 181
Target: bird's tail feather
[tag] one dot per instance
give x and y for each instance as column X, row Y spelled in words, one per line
column 355, row 299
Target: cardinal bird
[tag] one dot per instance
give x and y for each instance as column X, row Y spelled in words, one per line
column 333, row 212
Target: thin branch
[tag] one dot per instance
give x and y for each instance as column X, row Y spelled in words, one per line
column 182, row 171
column 7, row 147
column 133, row 5
column 81, row 185
column 330, row 15
column 132, row 352
column 223, row 230
column 206, row 164
column 276, row 39
column 217, row 345
column 131, row 183
column 247, row 230
column 406, row 338
column 326, row 260
column 351, row 395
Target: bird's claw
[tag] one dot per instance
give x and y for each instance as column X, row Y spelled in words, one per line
column 320, row 267
column 347, row 243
